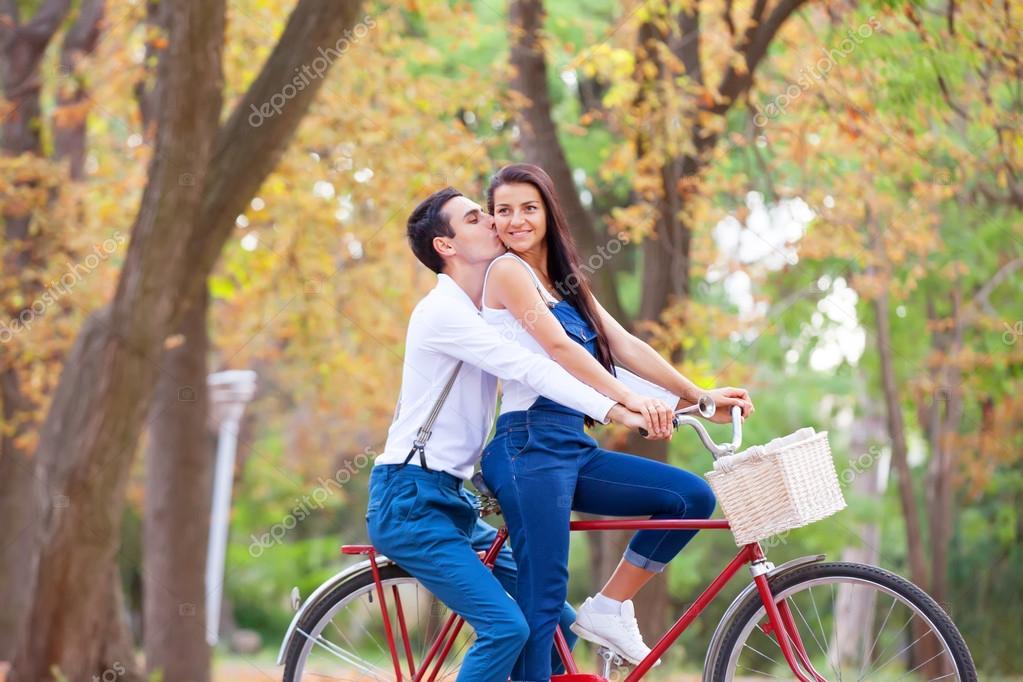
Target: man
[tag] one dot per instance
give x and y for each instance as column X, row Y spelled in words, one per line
column 419, row 514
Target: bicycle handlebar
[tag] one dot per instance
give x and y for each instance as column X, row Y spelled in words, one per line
column 706, row 409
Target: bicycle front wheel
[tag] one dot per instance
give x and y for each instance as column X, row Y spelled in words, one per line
column 343, row 637
column 854, row 622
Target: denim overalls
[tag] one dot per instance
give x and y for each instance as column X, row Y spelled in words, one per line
column 542, row 464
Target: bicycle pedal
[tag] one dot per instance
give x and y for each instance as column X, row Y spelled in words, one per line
column 611, row 658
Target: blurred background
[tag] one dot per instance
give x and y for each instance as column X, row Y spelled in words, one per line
column 819, row 201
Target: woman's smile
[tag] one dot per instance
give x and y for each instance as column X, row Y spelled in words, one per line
column 519, row 232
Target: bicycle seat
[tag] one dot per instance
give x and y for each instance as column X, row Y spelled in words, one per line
column 487, row 500
column 481, row 485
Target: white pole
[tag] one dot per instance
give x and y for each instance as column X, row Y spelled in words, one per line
column 229, row 393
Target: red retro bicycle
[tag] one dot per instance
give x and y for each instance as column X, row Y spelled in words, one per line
column 806, row 620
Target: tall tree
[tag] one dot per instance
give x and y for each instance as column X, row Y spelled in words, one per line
column 200, row 179
column 539, row 137
column 179, row 472
column 23, row 45
column 683, row 94
column 916, row 181
column 675, row 123
column 179, row 475
column 681, row 111
column 113, row 362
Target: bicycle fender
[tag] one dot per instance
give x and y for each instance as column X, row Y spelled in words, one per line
column 726, row 619
column 329, row 584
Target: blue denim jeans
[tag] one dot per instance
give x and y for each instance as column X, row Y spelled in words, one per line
column 427, row 523
column 541, row 464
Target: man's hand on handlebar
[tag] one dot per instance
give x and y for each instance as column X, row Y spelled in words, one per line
column 636, row 421
column 725, row 398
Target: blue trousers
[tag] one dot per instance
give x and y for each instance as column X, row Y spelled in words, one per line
column 541, row 464
column 427, row 523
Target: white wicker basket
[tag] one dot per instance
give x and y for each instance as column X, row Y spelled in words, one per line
column 785, row 484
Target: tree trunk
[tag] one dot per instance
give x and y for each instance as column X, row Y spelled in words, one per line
column 23, row 46
column 900, row 451
column 945, row 415
column 666, row 255
column 199, row 181
column 855, row 615
column 665, row 272
column 19, row 492
column 541, row 147
column 118, row 648
column 927, row 651
column 90, row 433
column 179, row 474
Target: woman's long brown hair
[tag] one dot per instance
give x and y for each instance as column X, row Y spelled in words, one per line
column 562, row 257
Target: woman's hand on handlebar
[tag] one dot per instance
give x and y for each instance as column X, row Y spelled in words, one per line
column 725, row 398
column 636, row 421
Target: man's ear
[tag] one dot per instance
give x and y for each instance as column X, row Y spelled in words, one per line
column 443, row 246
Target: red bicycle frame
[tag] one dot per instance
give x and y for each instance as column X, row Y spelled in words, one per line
column 780, row 624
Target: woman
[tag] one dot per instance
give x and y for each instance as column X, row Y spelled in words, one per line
column 541, row 464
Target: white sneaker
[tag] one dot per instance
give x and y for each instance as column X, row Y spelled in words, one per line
column 620, row 633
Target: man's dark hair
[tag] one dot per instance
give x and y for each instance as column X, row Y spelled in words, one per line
column 428, row 221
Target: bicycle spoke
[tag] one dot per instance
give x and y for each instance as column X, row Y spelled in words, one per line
column 386, row 654
column 919, row 665
column 341, row 632
column 348, row 641
column 435, row 615
column 761, row 653
column 903, row 649
column 885, row 650
column 343, row 655
column 803, row 618
column 891, row 651
column 759, row 672
column 824, row 637
column 837, row 640
column 469, row 640
column 422, row 645
column 866, row 659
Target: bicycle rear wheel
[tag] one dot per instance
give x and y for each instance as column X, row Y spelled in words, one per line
column 342, row 637
column 856, row 622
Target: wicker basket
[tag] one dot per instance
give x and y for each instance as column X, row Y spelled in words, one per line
column 785, row 484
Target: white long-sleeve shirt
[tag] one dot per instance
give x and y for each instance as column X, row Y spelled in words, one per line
column 446, row 327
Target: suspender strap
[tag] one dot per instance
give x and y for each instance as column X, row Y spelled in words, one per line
column 425, row 431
